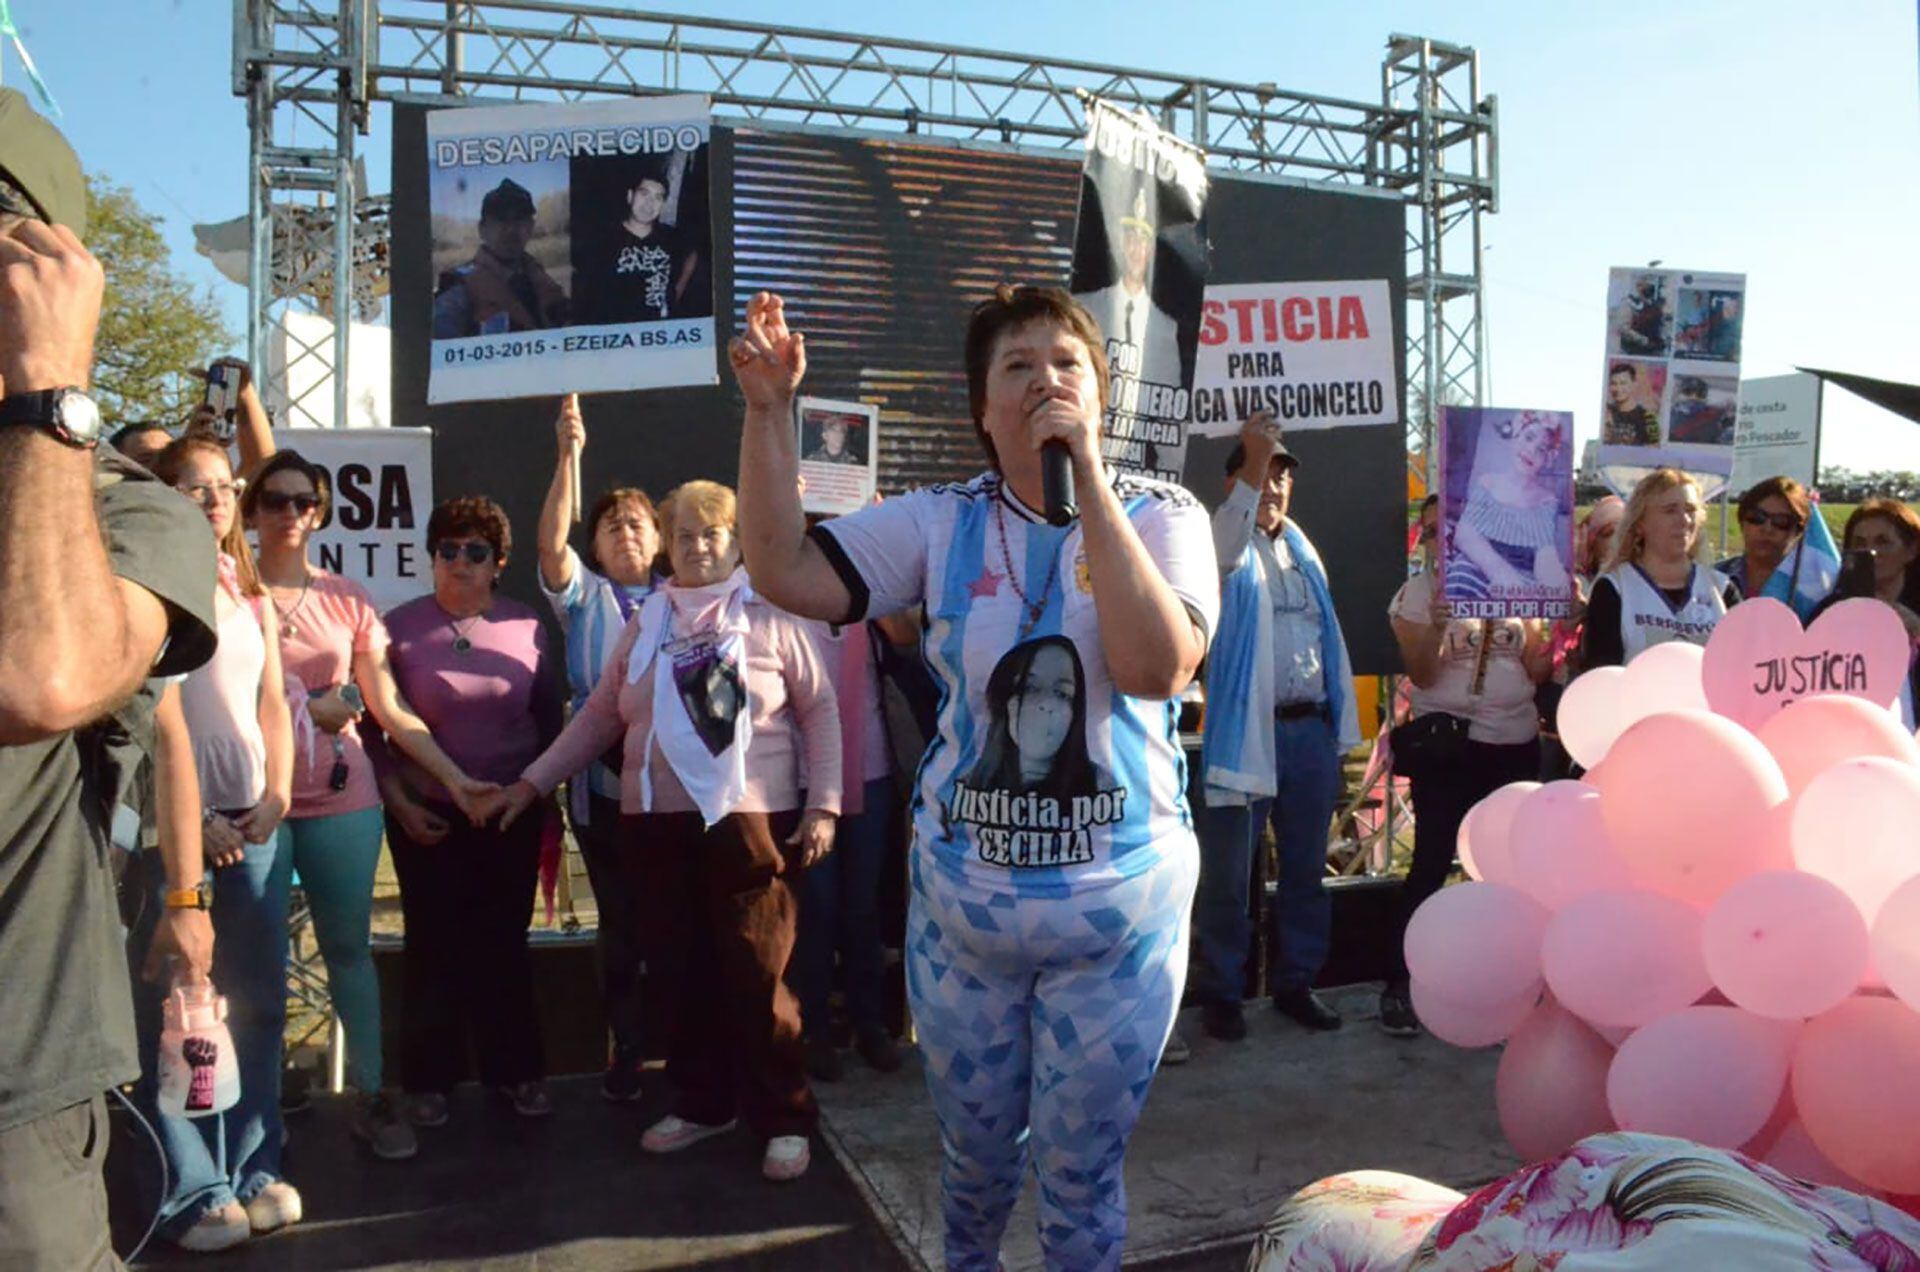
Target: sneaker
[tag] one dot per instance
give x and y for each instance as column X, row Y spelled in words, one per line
column 673, row 1133
column 1303, row 1007
column 378, row 1122
column 823, row 1059
column 428, row 1108
column 877, row 1047
column 529, row 1098
column 1176, row 1051
column 220, row 1229
column 787, row 1157
column 275, row 1207
column 1396, row 1012
column 1224, row 1021
column 621, row 1082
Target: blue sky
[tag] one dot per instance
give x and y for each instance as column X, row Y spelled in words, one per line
column 1778, row 139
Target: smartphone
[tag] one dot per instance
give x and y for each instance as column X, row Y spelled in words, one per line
column 1856, row 574
column 223, row 395
column 350, row 694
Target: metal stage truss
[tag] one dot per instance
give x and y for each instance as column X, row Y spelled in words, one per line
column 311, row 71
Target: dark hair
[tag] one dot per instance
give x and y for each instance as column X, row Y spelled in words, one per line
column 472, row 516
column 1905, row 522
column 167, row 465
column 1012, row 307
column 612, row 500
column 1786, row 488
column 283, row 461
column 1072, row 771
column 1624, row 368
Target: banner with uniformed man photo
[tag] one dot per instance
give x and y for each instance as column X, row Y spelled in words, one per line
column 1140, row 268
column 572, row 249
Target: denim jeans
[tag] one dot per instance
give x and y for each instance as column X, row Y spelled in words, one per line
column 231, row 1156
column 336, row 856
column 1302, row 913
column 840, row 913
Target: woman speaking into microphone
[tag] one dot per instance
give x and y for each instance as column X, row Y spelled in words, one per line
column 1046, row 941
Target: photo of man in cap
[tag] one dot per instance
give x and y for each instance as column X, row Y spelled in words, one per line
column 502, row 288
column 1126, row 311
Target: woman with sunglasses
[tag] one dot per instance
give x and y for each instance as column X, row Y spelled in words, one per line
column 223, row 1172
column 1773, row 513
column 333, row 648
column 477, row 667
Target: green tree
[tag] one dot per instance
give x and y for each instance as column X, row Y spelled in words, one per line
column 155, row 326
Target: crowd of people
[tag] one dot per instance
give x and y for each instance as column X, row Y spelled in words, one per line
column 714, row 729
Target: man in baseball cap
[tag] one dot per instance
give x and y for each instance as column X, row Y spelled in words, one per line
column 502, row 288
column 109, row 584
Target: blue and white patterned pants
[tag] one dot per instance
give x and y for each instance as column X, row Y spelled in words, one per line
column 1041, row 1021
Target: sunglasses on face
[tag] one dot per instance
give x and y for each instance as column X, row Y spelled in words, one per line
column 1785, row 522
column 476, row 553
column 280, row 501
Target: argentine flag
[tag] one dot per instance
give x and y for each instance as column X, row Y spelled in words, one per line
column 1808, row 574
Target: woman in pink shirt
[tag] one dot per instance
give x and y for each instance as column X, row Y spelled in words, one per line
column 718, row 695
column 333, row 646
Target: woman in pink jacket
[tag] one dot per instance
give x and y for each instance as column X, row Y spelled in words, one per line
column 723, row 703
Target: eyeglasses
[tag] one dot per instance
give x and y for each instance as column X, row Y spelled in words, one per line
column 1785, row 522
column 280, row 501
column 476, row 552
column 205, row 492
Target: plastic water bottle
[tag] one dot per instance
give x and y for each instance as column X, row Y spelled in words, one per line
column 198, row 1074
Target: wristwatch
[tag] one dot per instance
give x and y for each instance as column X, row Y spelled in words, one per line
column 68, row 414
column 198, row 897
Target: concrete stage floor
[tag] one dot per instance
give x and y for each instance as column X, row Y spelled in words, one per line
column 1223, row 1140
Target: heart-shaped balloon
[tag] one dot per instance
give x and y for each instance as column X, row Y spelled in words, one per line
column 1759, row 660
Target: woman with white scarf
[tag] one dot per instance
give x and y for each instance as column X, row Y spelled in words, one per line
column 718, row 695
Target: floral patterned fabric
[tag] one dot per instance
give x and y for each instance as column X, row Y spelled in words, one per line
column 1612, row 1203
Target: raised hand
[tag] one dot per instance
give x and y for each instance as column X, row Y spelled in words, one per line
column 570, row 428
column 50, row 290
column 1260, row 435
column 813, row 837
column 769, row 361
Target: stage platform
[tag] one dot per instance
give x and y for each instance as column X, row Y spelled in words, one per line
column 1224, row 1139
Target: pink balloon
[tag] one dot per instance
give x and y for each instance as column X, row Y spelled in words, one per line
column 1896, row 943
column 1666, row 677
column 1813, row 734
column 1764, row 1139
column 1785, row 944
column 1476, row 944
column 1467, row 1025
column 1560, row 848
column 1593, row 713
column 1551, row 1087
column 1856, row 1082
column 1683, row 796
column 1794, row 1153
column 1707, row 1074
column 1759, row 660
column 1486, row 835
column 1625, row 958
column 1854, row 825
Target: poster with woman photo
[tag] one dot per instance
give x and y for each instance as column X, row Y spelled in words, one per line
column 839, row 455
column 1506, row 512
column 571, row 248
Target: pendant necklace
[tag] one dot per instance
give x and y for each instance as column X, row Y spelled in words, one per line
column 1031, row 609
column 460, row 642
column 287, row 625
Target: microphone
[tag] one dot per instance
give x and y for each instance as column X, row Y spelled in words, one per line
column 1056, row 484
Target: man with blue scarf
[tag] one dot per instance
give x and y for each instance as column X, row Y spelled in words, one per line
column 1280, row 714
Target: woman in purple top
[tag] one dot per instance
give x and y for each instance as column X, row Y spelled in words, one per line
column 475, row 665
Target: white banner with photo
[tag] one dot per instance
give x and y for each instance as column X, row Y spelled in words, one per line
column 382, row 481
column 572, row 248
column 1318, row 355
column 839, row 455
column 1671, row 375
column 1779, row 430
